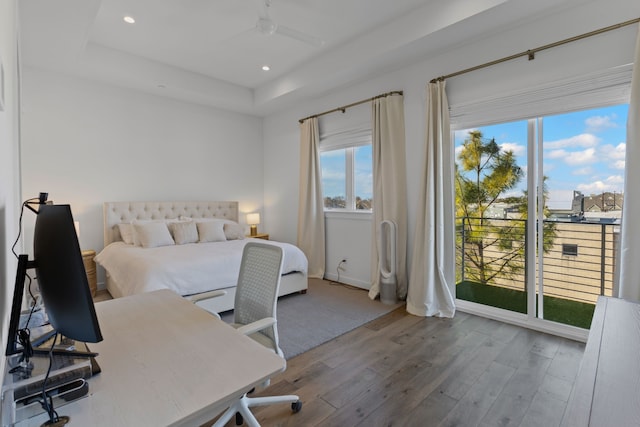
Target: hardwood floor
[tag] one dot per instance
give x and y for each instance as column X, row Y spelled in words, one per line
column 403, row 370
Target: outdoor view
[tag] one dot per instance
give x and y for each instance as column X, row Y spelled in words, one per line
column 347, row 178
column 583, row 158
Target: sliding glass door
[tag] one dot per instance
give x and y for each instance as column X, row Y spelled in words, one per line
column 539, row 204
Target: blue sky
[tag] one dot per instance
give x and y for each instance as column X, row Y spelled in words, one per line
column 333, row 172
column 583, row 151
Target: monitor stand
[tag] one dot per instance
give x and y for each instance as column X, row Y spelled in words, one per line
column 62, row 420
column 63, row 347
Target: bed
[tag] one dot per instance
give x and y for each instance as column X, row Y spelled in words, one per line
column 188, row 268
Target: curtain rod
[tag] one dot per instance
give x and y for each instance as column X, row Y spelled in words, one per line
column 343, row 108
column 532, row 52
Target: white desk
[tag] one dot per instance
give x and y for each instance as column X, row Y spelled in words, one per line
column 606, row 390
column 166, row 361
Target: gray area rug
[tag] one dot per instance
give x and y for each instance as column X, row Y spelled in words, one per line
column 323, row 313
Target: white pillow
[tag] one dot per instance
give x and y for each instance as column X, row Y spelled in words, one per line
column 211, row 231
column 126, row 233
column 152, row 234
column 179, row 219
column 184, row 232
column 233, row 230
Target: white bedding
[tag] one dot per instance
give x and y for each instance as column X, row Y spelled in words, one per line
column 186, row 269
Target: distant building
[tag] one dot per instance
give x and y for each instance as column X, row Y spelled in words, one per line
column 582, row 262
column 603, row 208
column 604, row 202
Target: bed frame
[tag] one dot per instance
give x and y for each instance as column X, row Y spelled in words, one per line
column 117, row 212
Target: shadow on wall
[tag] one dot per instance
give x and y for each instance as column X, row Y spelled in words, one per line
column 8, row 292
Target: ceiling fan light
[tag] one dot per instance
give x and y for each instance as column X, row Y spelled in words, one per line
column 266, row 26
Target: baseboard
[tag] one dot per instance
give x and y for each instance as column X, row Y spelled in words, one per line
column 347, row 280
column 519, row 319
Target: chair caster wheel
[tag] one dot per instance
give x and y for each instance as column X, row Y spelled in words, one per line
column 239, row 419
column 296, row 406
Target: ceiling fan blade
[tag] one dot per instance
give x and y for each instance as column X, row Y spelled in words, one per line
column 298, row 35
column 263, row 8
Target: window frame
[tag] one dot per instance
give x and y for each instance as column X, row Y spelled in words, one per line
column 570, row 249
column 349, row 171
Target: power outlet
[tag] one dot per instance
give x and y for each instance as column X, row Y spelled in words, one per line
column 341, row 264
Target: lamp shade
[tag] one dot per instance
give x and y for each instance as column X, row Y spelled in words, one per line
column 253, row 218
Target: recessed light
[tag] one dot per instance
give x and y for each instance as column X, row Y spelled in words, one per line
column 265, row 68
column 129, row 19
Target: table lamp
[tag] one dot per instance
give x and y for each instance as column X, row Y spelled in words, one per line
column 253, row 219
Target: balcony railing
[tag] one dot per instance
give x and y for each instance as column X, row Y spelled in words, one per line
column 579, row 261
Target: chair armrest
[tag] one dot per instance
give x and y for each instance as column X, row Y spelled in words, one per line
column 256, row 326
column 205, row 295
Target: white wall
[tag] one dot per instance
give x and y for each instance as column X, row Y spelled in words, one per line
column 281, row 135
column 9, row 172
column 354, row 245
column 86, row 143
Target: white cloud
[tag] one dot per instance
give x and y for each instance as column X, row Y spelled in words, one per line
column 332, row 174
column 614, row 153
column 574, row 158
column 583, row 171
column 615, row 179
column 612, row 183
column 364, row 184
column 593, row 187
column 557, row 154
column 511, row 193
column 584, row 140
column 584, row 157
column 518, row 149
column 600, row 123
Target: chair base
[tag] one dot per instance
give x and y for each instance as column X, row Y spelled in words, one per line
column 243, row 404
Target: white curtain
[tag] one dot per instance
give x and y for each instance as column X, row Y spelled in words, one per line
column 310, row 204
column 629, row 287
column 432, row 276
column 389, row 186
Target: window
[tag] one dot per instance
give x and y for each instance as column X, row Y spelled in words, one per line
column 569, row 249
column 346, row 159
column 347, row 178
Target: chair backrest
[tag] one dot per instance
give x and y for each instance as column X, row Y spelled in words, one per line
column 258, row 286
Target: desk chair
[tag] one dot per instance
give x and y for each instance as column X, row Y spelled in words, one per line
column 205, row 296
column 254, row 314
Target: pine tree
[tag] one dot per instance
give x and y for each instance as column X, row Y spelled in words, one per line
column 493, row 248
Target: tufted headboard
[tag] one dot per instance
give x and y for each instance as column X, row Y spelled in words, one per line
column 117, row 212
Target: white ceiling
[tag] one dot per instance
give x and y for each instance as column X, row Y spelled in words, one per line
column 209, row 51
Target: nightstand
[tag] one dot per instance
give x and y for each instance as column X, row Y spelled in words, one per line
column 90, row 268
column 264, row 236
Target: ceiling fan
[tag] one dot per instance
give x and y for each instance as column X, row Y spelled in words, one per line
column 268, row 27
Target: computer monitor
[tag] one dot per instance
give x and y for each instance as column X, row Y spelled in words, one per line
column 64, row 288
column 61, row 275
